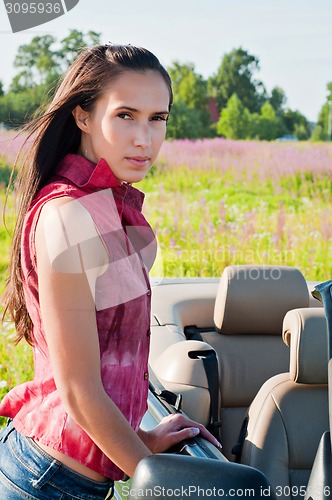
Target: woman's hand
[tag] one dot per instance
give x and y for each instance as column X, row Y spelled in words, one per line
column 173, row 429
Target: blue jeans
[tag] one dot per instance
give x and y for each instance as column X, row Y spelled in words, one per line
column 26, row 471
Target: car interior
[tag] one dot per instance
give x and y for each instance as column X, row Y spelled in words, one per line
column 268, row 334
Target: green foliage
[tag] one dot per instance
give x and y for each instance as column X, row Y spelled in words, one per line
column 188, row 85
column 296, row 124
column 301, row 131
column 5, row 173
column 323, row 119
column 75, row 42
column 236, row 75
column 278, row 100
column 234, row 119
column 184, row 122
column 42, row 61
column 321, row 131
column 17, row 108
column 236, row 122
column 190, row 117
column 35, row 61
column 16, row 362
column 318, row 134
column 266, row 117
column 41, row 64
column 268, row 125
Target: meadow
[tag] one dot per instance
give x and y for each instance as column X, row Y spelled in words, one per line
column 219, row 202
column 213, row 203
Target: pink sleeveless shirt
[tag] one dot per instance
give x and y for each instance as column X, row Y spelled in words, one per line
column 122, row 310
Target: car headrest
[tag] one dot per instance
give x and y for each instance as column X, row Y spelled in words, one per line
column 305, row 332
column 254, row 299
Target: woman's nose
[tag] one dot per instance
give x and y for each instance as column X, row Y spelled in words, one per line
column 142, row 135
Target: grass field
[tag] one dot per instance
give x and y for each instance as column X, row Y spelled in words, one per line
column 214, row 203
column 218, row 202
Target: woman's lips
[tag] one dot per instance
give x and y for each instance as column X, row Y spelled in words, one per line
column 138, row 161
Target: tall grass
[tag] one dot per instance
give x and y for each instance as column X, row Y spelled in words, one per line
column 214, row 203
column 217, row 202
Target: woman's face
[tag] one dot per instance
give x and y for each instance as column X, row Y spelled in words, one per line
column 127, row 125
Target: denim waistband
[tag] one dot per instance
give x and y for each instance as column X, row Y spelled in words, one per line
column 46, row 469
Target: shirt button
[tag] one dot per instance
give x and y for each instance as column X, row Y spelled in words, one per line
column 148, row 333
column 146, row 375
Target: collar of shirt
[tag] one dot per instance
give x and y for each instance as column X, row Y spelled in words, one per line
column 91, row 176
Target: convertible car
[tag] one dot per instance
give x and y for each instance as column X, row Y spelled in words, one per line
column 247, row 356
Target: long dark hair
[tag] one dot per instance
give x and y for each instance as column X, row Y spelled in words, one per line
column 54, row 134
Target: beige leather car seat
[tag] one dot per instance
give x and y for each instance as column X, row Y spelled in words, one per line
column 249, row 310
column 290, row 412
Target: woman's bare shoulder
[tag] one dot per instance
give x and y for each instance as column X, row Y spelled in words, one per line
column 66, row 229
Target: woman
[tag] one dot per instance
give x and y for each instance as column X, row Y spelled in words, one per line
column 79, row 290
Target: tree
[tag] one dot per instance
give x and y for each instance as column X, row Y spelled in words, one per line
column 269, row 124
column 190, row 115
column 296, row 124
column 236, row 75
column 37, row 61
column 17, row 108
column 318, row 134
column 73, row 43
column 184, row 122
column 41, row 64
column 234, row 119
column 324, row 117
column 278, row 100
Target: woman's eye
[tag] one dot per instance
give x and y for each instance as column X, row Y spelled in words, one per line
column 160, row 118
column 124, row 116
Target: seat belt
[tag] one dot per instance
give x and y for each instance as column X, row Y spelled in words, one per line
column 210, row 363
column 192, row 332
column 159, row 390
column 238, row 447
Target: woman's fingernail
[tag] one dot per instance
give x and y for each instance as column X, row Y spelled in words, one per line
column 194, row 431
column 218, row 445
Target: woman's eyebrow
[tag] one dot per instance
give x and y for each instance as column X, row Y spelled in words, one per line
column 128, row 108
column 134, row 110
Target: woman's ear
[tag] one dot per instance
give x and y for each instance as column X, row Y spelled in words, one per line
column 81, row 118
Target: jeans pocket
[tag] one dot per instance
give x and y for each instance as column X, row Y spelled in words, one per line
column 6, row 431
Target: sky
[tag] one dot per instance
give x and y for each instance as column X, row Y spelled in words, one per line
column 291, row 38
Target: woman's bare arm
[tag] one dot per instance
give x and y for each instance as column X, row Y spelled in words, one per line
column 69, row 318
